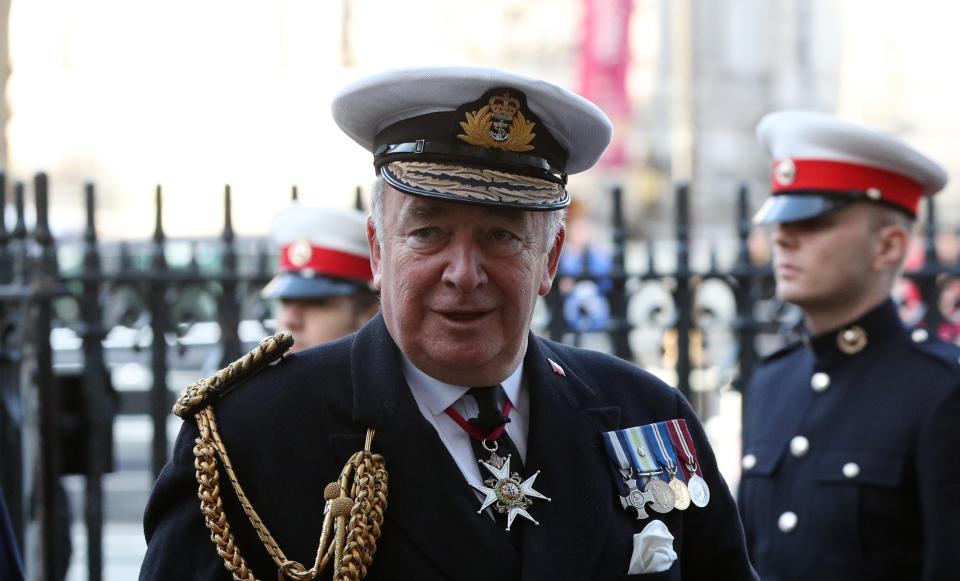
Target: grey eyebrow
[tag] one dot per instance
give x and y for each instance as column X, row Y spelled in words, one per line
column 425, row 211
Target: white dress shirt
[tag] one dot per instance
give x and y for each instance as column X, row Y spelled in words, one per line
column 433, row 397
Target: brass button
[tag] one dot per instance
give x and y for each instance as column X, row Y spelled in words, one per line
column 852, row 340
column 919, row 335
column 749, row 461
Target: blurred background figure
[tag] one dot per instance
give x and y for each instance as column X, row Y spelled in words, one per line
column 845, row 431
column 11, row 567
column 323, row 283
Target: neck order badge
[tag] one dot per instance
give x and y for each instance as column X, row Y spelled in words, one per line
column 504, row 490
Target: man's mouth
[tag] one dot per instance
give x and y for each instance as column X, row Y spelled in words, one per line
column 464, row 315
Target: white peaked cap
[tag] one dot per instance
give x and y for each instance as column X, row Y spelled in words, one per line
column 822, row 162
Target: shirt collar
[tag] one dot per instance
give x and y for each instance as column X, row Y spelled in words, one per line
column 438, row 396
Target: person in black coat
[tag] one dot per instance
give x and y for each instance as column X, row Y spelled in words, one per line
column 849, row 434
column 509, row 456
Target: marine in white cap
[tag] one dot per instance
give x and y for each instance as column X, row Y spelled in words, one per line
column 492, row 436
column 324, row 279
column 846, row 431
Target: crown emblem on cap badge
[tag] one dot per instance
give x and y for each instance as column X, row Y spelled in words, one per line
column 300, row 253
column 499, row 124
column 785, row 172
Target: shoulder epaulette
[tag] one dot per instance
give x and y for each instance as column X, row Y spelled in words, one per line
column 934, row 347
column 220, row 383
column 788, row 348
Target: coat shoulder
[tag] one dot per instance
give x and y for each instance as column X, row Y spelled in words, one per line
column 260, row 383
column 613, row 378
column 204, row 391
column 942, row 353
column 782, row 353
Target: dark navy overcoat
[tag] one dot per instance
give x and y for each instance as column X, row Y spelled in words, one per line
column 290, row 429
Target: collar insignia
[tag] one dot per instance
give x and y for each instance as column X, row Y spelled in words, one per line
column 852, row 340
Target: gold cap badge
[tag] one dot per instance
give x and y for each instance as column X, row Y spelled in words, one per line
column 499, row 124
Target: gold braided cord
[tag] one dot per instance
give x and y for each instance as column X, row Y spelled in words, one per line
column 211, row 505
column 361, row 492
column 196, row 394
column 359, row 495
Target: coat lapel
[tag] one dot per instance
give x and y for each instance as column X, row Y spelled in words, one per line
column 565, row 444
column 429, row 501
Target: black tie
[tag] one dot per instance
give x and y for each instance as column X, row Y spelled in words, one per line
column 490, row 401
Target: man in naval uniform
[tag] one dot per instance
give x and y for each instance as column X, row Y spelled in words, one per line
column 493, row 438
column 324, row 279
column 850, row 464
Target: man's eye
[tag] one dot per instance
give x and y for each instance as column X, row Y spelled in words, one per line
column 425, row 233
column 502, row 235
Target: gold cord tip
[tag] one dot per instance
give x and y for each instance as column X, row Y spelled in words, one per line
column 340, row 506
column 331, row 491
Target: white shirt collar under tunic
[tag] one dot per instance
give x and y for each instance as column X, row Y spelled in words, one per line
column 433, row 397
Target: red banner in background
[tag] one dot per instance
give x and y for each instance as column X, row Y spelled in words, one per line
column 604, row 59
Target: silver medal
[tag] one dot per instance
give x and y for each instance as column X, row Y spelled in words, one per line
column 663, row 497
column 636, row 499
column 699, row 491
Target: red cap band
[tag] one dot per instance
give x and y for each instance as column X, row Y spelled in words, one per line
column 325, row 261
column 815, row 174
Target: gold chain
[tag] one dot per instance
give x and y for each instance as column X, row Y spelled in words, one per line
column 360, row 495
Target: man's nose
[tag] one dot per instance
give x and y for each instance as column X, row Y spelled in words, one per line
column 464, row 268
column 783, row 235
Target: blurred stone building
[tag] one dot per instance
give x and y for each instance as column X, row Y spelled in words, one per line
column 194, row 96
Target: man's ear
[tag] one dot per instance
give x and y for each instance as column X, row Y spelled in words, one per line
column 374, row 245
column 553, row 261
column 892, row 244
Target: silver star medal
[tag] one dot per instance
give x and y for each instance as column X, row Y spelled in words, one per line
column 505, row 491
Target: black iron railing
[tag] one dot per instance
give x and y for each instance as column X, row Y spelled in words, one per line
column 704, row 329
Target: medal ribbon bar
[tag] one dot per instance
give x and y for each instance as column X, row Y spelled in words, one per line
column 628, row 448
column 683, row 443
column 662, row 448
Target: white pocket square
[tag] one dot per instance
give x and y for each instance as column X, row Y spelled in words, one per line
column 652, row 549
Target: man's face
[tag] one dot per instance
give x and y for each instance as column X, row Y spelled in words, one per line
column 826, row 262
column 315, row 321
column 459, row 284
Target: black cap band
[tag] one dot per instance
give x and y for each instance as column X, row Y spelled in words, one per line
column 451, row 152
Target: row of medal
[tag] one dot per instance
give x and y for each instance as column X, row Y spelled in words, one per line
column 662, row 453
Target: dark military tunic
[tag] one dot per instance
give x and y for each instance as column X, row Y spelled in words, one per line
column 851, row 466
column 290, row 429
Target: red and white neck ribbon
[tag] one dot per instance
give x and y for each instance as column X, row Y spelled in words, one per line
column 474, row 432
